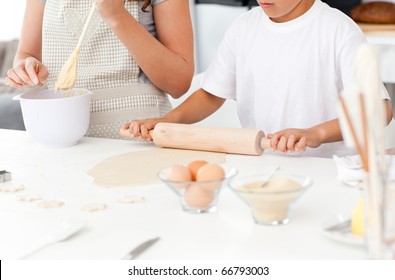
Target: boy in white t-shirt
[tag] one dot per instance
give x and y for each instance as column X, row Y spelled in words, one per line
column 285, row 63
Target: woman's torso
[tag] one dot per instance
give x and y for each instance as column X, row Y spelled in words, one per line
column 105, row 66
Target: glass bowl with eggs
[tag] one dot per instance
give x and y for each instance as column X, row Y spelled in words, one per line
column 197, row 184
column 271, row 198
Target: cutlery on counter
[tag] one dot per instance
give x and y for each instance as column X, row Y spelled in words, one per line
column 140, row 248
column 344, row 226
column 61, row 232
column 341, row 231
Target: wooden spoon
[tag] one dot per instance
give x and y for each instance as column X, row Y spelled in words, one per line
column 68, row 73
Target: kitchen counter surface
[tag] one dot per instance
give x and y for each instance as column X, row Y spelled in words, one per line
column 383, row 29
column 229, row 233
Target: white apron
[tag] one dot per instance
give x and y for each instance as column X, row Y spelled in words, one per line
column 105, row 67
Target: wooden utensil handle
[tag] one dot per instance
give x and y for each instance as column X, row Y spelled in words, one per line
column 264, row 143
column 86, row 25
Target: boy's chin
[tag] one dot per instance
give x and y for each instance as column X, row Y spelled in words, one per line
column 274, row 17
column 277, row 17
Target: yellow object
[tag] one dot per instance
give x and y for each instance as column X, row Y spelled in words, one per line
column 357, row 219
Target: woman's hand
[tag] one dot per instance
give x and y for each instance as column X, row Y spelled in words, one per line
column 294, row 140
column 141, row 128
column 29, row 72
column 110, row 9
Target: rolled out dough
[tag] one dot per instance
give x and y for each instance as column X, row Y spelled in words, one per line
column 141, row 168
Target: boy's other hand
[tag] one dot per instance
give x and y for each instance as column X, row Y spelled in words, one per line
column 294, row 140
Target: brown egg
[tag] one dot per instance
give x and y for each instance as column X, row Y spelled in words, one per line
column 195, row 196
column 179, row 173
column 194, row 167
column 210, row 172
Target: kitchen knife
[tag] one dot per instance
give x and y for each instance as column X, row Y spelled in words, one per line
column 140, row 248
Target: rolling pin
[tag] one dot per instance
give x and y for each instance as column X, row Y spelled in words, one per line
column 205, row 138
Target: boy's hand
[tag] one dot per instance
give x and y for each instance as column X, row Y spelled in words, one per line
column 29, row 72
column 141, row 128
column 294, row 140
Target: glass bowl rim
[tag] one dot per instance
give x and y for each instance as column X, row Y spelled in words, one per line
column 304, row 187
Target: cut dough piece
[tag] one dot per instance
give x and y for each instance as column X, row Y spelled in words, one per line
column 28, row 197
column 50, row 204
column 141, row 168
column 92, row 207
column 131, row 199
column 11, row 188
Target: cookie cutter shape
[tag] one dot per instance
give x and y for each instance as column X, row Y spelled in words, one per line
column 5, row 176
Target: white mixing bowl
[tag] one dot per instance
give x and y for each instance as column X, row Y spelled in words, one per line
column 56, row 119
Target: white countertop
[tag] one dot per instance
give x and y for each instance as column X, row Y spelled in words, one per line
column 229, row 233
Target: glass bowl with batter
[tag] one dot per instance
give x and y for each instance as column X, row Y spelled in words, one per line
column 271, row 201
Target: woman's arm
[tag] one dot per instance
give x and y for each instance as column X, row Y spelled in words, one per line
column 27, row 69
column 167, row 61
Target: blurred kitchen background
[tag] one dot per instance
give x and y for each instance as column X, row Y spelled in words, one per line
column 210, row 18
column 213, row 17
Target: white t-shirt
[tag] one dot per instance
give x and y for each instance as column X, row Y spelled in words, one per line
column 287, row 75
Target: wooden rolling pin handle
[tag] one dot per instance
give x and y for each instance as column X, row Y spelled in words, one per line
column 125, row 133
column 264, row 143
